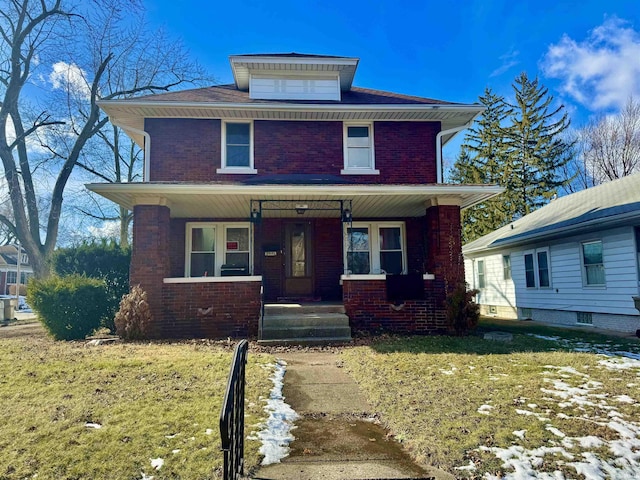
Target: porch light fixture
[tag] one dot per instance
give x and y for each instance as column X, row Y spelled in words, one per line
column 346, row 216
column 301, row 208
column 255, row 216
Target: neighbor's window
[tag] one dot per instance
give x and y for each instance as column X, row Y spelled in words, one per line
column 506, row 267
column 358, row 149
column 375, row 248
column 592, row 262
column 11, row 277
column 237, row 147
column 210, row 246
column 543, row 269
column 481, row 275
column 529, row 270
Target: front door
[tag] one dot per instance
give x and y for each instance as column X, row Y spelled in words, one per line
column 298, row 257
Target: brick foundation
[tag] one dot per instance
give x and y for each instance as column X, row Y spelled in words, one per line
column 366, row 304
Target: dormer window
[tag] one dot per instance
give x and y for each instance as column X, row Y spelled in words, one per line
column 359, row 157
column 294, row 87
column 237, row 148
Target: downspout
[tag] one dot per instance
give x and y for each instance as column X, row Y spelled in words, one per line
column 439, row 164
column 147, row 151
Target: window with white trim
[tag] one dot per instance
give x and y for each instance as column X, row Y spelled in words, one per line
column 537, row 270
column 237, row 147
column 593, row 264
column 215, row 249
column 481, row 276
column 11, row 277
column 506, row 267
column 373, row 248
column 359, row 156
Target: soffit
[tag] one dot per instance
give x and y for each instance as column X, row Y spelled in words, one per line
column 234, row 201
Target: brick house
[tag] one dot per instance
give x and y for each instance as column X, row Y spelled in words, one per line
column 291, row 184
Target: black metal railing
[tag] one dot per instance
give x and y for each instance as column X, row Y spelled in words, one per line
column 232, row 416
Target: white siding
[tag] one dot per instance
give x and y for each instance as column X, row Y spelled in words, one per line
column 497, row 291
column 567, row 291
column 294, row 88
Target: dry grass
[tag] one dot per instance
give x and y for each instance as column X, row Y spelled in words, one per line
column 152, row 401
column 429, row 391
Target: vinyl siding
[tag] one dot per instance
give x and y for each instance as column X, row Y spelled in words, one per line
column 568, row 291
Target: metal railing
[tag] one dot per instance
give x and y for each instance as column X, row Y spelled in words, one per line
column 232, row 415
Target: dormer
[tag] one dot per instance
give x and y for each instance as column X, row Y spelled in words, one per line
column 293, row 76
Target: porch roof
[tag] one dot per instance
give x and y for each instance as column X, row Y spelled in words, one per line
column 235, row 200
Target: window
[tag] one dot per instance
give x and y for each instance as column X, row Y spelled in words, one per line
column 536, row 269
column 237, row 147
column 506, row 267
column 529, row 270
column 213, row 248
column 584, row 318
column 358, row 149
column 375, row 248
column 11, row 277
column 481, row 280
column 592, row 263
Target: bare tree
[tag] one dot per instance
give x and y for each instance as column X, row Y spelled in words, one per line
column 74, row 55
column 611, row 145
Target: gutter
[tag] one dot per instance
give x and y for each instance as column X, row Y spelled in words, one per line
column 439, row 162
column 147, row 148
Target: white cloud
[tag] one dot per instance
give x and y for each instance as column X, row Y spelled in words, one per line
column 508, row 60
column 109, row 229
column 70, row 76
column 600, row 72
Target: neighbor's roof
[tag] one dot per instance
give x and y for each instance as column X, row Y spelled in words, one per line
column 605, row 206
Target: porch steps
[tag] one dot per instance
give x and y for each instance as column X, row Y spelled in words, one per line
column 304, row 323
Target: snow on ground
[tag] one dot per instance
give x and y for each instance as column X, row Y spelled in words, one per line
column 621, row 454
column 276, row 433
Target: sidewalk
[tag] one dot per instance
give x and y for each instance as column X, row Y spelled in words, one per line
column 337, row 436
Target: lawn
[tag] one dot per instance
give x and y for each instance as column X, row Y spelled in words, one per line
column 550, row 404
column 74, row 411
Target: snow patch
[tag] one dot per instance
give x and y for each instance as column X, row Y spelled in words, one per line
column 157, row 463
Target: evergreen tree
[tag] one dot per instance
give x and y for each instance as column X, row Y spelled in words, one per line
column 537, row 151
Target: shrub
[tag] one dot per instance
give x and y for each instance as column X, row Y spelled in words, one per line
column 134, row 316
column 70, row 307
column 106, row 261
column 462, row 312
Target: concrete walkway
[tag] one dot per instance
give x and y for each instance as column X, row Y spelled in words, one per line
column 337, row 436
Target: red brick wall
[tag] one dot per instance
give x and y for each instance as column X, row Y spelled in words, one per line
column 188, row 150
column 150, row 256
column 444, row 244
column 210, row 310
column 366, row 304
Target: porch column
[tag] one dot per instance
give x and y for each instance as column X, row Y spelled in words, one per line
column 150, row 256
column 444, row 244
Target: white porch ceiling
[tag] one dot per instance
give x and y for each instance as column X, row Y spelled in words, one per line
column 234, row 201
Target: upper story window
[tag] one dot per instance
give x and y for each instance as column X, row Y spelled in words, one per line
column 215, row 249
column 373, row 248
column 536, row 269
column 237, row 148
column 359, row 155
column 295, row 87
column 593, row 264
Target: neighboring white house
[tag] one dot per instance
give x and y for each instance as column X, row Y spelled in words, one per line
column 9, row 269
column 575, row 261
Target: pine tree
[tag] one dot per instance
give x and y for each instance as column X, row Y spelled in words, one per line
column 536, row 148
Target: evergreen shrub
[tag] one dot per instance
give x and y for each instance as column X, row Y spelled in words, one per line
column 70, row 307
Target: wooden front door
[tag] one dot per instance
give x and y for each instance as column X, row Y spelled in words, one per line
column 298, row 259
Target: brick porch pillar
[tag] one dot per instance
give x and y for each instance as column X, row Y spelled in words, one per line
column 444, row 243
column 150, row 257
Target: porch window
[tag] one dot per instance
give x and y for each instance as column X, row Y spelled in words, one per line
column 373, row 248
column 359, row 156
column 237, row 148
column 210, row 246
column 593, row 263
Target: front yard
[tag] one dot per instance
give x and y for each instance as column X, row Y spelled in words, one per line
column 551, row 404
column 122, row 411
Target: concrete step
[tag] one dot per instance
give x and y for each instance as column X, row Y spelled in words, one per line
column 305, row 332
column 302, row 308
column 306, row 320
column 306, row 341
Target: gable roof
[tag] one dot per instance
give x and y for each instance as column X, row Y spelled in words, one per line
column 605, row 206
